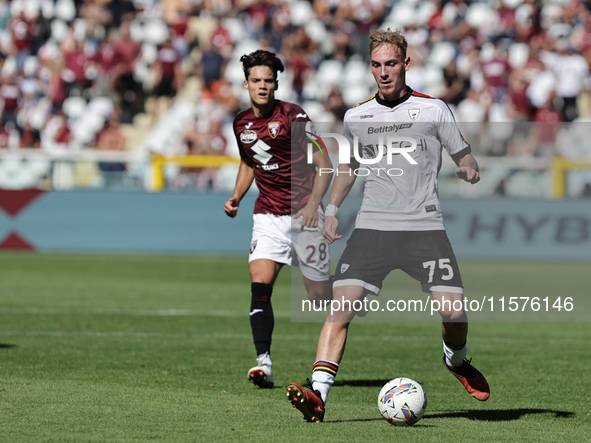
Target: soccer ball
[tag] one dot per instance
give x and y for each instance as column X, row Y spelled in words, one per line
column 402, row 402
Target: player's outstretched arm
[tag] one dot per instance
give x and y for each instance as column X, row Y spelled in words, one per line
column 341, row 186
column 322, row 180
column 467, row 169
column 243, row 183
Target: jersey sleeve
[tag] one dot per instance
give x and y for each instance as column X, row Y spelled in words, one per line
column 303, row 131
column 243, row 155
column 348, row 133
column 450, row 135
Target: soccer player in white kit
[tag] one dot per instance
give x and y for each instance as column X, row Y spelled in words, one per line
column 400, row 224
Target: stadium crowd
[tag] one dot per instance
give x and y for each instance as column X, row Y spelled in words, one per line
column 73, row 70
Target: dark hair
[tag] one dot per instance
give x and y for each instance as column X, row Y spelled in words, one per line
column 261, row 58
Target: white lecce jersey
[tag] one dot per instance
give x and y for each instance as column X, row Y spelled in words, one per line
column 401, row 188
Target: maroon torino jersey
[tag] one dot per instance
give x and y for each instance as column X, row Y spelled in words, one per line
column 283, row 176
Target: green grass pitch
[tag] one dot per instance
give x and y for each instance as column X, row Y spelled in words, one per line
column 109, row 348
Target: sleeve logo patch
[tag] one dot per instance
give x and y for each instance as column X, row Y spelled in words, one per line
column 274, row 128
column 430, row 208
column 248, row 136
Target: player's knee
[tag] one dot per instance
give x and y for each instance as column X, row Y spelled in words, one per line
column 453, row 315
column 320, row 291
column 450, row 306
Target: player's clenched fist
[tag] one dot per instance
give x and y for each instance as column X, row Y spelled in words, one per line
column 468, row 174
column 330, row 229
column 231, row 207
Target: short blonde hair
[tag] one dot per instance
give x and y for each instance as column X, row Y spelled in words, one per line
column 388, row 36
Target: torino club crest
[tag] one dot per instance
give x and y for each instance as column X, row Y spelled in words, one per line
column 273, row 129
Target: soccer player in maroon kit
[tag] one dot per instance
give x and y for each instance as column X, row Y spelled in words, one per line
column 288, row 214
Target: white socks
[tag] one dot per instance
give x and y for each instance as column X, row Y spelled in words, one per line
column 454, row 357
column 323, row 374
column 265, row 359
column 322, row 382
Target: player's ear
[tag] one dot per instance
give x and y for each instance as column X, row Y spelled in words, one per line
column 276, row 85
column 407, row 64
column 246, row 84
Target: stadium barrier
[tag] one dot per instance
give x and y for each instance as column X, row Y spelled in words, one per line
column 81, row 168
column 158, row 182
column 560, row 169
column 192, row 223
column 65, row 170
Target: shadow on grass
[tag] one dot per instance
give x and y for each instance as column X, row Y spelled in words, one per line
column 355, row 420
column 374, row 383
column 499, row 414
column 480, row 415
column 4, row 345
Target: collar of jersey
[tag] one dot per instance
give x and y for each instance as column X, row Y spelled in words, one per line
column 394, row 103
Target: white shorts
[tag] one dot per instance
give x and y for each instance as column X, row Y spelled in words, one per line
column 272, row 237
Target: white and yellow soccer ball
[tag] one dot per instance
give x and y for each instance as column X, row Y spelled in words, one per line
column 402, row 402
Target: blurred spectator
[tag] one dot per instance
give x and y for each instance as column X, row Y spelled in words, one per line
column 167, row 69
column 226, row 103
column 221, row 40
column 366, row 16
column 30, row 137
column 120, row 11
column 495, row 69
column 343, row 45
column 55, row 138
column 96, row 19
column 571, row 72
column 545, row 128
column 280, row 26
column 455, row 85
column 325, row 10
column 297, row 48
column 76, row 64
column 473, row 108
column 214, row 144
column 4, row 135
column 211, row 65
column 23, row 33
column 255, row 13
column 105, row 63
column 127, row 55
column 179, row 30
column 110, row 138
column 203, row 137
column 542, row 83
column 11, row 97
column 335, row 104
column 519, row 107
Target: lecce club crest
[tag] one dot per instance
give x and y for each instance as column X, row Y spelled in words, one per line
column 273, row 129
